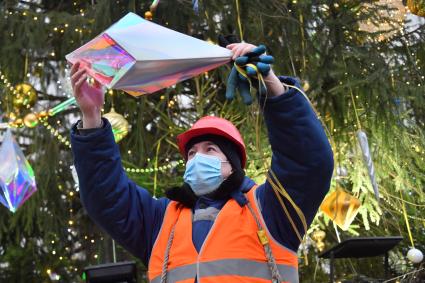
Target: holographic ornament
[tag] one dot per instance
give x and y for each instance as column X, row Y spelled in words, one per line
column 341, row 207
column 17, row 179
column 26, row 96
column 138, row 56
column 120, row 126
column 367, row 158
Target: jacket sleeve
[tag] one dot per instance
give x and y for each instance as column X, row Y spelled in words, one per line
column 302, row 161
column 124, row 210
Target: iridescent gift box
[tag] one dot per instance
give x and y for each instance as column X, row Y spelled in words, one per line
column 17, row 181
column 140, row 57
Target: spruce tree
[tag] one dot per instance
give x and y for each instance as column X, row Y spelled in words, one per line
column 357, row 74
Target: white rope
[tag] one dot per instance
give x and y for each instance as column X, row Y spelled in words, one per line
column 166, row 256
column 271, row 262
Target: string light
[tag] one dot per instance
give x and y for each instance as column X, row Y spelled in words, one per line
column 162, row 168
column 7, row 83
column 393, row 206
column 56, row 133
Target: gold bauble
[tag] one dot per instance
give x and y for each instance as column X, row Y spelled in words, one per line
column 120, row 126
column 24, row 95
column 31, row 120
column 148, row 15
column 416, row 7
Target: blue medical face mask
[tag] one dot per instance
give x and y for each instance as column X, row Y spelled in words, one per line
column 203, row 173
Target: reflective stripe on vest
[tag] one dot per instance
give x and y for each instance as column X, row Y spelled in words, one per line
column 231, row 252
column 230, row 267
column 179, row 274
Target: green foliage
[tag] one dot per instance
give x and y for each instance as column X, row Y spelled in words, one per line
column 351, row 74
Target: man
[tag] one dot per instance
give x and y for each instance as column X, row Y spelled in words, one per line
column 219, row 226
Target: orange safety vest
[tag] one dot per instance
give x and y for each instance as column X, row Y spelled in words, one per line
column 232, row 251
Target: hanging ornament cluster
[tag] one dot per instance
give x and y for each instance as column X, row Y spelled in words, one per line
column 17, row 181
column 318, row 236
column 341, row 208
column 24, row 96
column 416, row 7
column 30, row 120
column 367, row 158
column 120, row 126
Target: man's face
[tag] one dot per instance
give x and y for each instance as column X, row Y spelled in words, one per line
column 210, row 148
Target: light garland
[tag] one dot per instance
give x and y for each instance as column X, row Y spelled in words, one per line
column 66, row 142
column 56, row 133
column 7, row 83
column 399, row 210
column 180, row 162
column 162, row 168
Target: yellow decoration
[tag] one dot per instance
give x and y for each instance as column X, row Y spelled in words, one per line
column 43, row 115
column 148, row 15
column 17, row 123
column 306, row 85
column 393, row 10
column 31, row 120
column 120, row 126
column 25, row 96
column 416, row 7
column 318, row 236
column 12, row 116
column 341, row 207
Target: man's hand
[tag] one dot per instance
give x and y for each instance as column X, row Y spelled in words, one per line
column 90, row 98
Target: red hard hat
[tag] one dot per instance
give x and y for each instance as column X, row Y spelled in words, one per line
column 210, row 125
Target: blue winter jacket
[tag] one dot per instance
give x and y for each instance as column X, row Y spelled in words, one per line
column 302, row 160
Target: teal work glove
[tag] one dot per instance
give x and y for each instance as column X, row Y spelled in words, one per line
column 256, row 59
